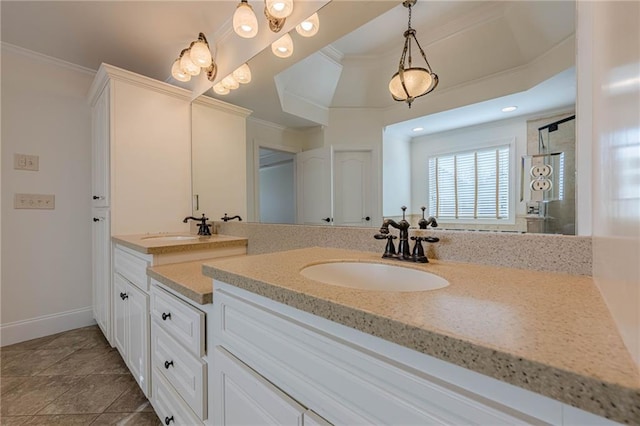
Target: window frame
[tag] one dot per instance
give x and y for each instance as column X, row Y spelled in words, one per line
column 509, row 142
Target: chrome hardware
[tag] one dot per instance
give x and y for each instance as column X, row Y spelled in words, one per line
column 165, row 316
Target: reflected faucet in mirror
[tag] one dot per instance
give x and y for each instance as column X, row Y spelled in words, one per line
column 203, row 227
column 226, row 218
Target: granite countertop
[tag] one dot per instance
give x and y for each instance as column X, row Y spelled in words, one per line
column 550, row 333
column 186, row 279
column 158, row 244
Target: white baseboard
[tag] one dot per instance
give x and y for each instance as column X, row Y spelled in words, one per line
column 19, row 331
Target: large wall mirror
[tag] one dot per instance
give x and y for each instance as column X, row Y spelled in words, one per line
column 327, row 145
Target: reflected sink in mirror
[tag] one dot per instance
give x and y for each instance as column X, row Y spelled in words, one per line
column 374, row 276
column 171, row 237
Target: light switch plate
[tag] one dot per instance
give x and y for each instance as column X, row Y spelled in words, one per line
column 34, row 201
column 26, row 162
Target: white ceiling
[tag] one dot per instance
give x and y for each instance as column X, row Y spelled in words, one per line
column 466, row 42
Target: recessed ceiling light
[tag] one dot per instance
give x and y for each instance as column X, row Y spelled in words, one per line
column 509, row 108
column 418, row 129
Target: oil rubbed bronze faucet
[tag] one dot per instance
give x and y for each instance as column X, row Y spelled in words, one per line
column 404, row 252
column 203, row 227
column 227, row 218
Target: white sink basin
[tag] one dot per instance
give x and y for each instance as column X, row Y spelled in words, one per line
column 171, row 237
column 373, row 276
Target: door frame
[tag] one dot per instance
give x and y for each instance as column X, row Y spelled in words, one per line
column 257, row 144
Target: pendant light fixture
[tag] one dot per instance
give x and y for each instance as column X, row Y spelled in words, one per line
column 309, row 27
column 412, row 82
column 245, row 23
column 283, row 47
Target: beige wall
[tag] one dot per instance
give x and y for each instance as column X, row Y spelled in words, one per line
column 608, row 78
column 46, row 254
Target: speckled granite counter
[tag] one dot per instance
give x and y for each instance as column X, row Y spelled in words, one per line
column 185, row 278
column 159, row 244
column 550, row 333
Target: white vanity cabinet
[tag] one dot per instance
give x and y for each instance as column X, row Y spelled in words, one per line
column 178, row 347
column 266, row 351
column 131, row 313
column 141, row 167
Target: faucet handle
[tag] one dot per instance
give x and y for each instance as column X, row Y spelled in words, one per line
column 431, row 239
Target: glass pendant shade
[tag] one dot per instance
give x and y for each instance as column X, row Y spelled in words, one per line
column 309, row 27
column 279, row 8
column 417, row 81
column 177, row 72
column 242, row 74
column 245, row 23
column 230, row 83
column 220, row 89
column 187, row 65
column 200, row 54
column 283, row 47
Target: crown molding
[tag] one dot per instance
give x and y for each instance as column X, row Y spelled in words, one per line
column 221, row 105
column 266, row 123
column 45, row 58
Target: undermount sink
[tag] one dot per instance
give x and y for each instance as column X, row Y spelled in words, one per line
column 171, row 237
column 373, row 276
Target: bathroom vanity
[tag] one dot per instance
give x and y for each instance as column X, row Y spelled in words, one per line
column 496, row 346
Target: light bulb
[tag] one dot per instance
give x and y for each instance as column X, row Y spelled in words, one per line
column 200, row 54
column 230, row 83
column 245, row 23
column 177, row 72
column 242, row 74
column 280, row 8
column 220, row 89
column 309, row 27
column 283, row 47
column 187, row 65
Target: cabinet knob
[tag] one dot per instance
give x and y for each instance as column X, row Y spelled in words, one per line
column 97, row 219
column 168, row 364
column 165, row 316
column 98, row 197
column 124, row 296
column 168, row 420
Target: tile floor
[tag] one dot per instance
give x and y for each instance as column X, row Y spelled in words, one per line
column 71, row 378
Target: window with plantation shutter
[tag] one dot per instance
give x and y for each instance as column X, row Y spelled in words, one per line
column 470, row 185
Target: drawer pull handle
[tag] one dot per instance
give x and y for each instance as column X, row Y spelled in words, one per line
column 165, row 316
column 168, row 364
column 124, row 296
column 168, row 420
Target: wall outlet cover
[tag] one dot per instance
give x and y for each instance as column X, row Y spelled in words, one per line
column 34, row 201
column 26, row 162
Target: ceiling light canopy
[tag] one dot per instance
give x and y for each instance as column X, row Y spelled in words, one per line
column 411, row 82
column 309, row 27
column 279, row 8
column 283, row 47
column 245, row 23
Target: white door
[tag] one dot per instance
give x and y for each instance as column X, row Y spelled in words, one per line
column 247, row 398
column 120, row 302
column 313, row 170
column 138, row 336
column 101, row 270
column 353, row 188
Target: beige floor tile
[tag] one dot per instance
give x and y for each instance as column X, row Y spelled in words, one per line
column 112, row 363
column 127, row 419
column 92, row 394
column 89, row 338
column 14, row 421
column 34, row 393
column 80, row 363
column 30, row 344
column 131, row 401
column 8, row 383
column 62, row 420
column 28, row 363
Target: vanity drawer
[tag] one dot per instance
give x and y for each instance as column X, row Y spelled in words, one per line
column 131, row 267
column 169, row 406
column 181, row 320
column 186, row 373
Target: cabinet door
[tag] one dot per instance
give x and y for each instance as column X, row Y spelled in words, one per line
column 248, row 398
column 120, row 302
column 101, row 270
column 100, row 128
column 138, row 336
